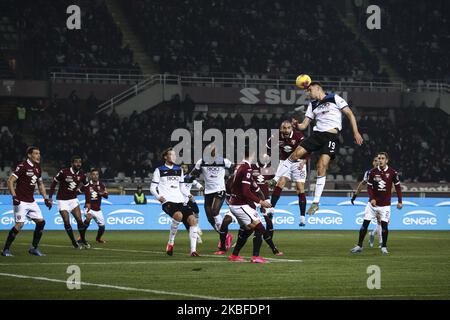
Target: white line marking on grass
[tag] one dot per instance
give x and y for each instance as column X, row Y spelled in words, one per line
column 163, row 253
column 349, row 297
column 115, row 287
column 110, row 263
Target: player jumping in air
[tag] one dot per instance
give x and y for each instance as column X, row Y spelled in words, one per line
column 26, row 176
column 289, row 140
column 379, row 187
column 168, row 187
column 69, row 180
column 377, row 229
column 244, row 195
column 326, row 109
column 94, row 192
column 213, row 170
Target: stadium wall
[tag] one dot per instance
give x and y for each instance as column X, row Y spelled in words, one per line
column 336, row 213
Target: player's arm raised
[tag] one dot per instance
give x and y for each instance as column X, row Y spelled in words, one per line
column 349, row 113
column 303, row 125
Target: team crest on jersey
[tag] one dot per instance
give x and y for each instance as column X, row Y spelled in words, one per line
column 387, row 175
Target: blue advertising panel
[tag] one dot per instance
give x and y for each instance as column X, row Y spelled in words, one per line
column 336, row 213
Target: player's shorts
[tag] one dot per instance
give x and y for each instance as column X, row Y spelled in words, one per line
column 211, row 197
column 324, row 142
column 67, row 205
column 194, row 207
column 97, row 216
column 28, row 210
column 383, row 213
column 244, row 214
column 171, row 207
column 294, row 174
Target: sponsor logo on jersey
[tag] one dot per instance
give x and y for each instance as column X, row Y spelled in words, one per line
column 125, row 217
column 326, row 217
column 419, row 218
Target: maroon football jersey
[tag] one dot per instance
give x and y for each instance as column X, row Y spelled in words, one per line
column 287, row 144
column 27, row 174
column 262, row 174
column 243, row 187
column 69, row 181
column 379, row 185
column 94, row 193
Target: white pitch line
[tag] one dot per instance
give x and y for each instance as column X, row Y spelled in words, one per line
column 163, row 253
column 349, row 297
column 114, row 287
column 109, row 263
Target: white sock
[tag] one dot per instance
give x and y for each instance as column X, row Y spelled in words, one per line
column 379, row 231
column 173, row 231
column 193, row 237
column 320, row 185
column 218, row 221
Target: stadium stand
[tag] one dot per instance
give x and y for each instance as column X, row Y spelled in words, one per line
column 40, row 32
column 414, row 37
column 242, row 37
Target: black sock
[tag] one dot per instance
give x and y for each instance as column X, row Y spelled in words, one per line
column 82, row 230
column 257, row 242
column 269, row 225
column 242, row 239
column 302, row 203
column 69, row 231
column 38, row 233
column 101, row 231
column 384, row 233
column 267, row 237
column 11, row 237
column 363, row 232
column 212, row 222
column 223, row 235
column 186, row 225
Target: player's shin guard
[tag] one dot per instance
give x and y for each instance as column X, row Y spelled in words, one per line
column 302, row 203
column 11, row 237
column 69, row 231
column 242, row 239
column 193, row 237
column 384, row 232
column 363, row 232
column 257, row 242
column 320, row 185
column 37, row 235
column 100, row 232
column 173, row 231
column 275, row 196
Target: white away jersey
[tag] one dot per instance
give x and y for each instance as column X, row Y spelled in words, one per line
column 168, row 181
column 214, row 173
column 327, row 112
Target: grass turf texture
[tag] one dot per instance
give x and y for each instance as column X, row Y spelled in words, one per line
column 316, row 265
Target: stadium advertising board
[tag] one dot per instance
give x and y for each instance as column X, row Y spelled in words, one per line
column 335, row 213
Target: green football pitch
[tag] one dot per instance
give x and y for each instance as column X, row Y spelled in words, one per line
column 316, row 265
